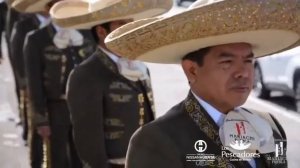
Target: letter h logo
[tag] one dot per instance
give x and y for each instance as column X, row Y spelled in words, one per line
column 240, row 127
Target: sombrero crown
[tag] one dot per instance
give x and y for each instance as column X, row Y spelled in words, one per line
column 86, row 14
column 269, row 26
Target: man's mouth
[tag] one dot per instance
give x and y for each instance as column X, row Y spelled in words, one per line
column 241, row 89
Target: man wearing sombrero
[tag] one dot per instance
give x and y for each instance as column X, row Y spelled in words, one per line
column 34, row 16
column 50, row 53
column 216, row 43
column 109, row 97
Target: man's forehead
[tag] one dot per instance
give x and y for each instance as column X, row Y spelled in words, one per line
column 233, row 45
column 233, row 49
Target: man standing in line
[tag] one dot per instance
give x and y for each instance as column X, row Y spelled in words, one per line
column 109, row 97
column 50, row 53
column 216, row 43
column 36, row 18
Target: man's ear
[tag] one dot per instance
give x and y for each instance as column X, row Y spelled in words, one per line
column 190, row 70
column 101, row 32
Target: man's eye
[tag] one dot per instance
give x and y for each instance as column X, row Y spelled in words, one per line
column 226, row 62
column 250, row 61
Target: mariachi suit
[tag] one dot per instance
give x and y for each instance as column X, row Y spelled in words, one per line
column 174, row 135
column 20, row 29
column 47, row 69
column 12, row 16
column 19, row 32
column 105, row 109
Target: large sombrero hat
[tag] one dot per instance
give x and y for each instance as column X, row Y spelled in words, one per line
column 30, row 6
column 268, row 25
column 86, row 14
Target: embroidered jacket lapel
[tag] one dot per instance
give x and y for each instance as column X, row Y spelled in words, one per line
column 144, row 89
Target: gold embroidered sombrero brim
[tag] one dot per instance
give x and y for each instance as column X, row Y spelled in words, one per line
column 85, row 14
column 269, row 25
column 30, row 6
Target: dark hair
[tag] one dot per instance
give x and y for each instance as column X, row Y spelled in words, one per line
column 50, row 4
column 197, row 56
column 106, row 26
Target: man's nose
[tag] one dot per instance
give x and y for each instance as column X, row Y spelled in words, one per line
column 242, row 71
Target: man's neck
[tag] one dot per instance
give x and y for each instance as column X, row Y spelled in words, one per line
column 111, row 55
column 221, row 107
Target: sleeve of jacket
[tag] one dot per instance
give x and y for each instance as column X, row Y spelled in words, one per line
column 149, row 147
column 17, row 41
column 34, row 69
column 85, row 99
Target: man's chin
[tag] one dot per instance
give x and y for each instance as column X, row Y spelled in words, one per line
column 240, row 100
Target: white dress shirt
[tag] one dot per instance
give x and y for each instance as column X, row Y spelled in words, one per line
column 110, row 54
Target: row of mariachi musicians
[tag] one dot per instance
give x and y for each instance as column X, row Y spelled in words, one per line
column 41, row 67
